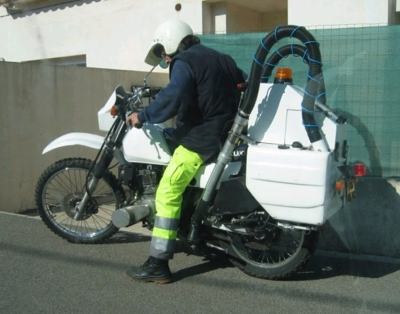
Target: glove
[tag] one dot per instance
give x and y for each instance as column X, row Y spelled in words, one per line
column 133, row 120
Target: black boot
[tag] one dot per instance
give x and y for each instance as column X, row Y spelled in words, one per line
column 153, row 270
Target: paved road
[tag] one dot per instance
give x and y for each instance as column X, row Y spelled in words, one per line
column 41, row 273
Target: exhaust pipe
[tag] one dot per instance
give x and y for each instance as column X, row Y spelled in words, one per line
column 130, row 215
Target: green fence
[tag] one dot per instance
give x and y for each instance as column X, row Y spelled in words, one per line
column 362, row 71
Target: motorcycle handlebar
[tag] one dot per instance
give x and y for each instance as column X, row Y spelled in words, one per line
column 146, row 91
column 129, row 102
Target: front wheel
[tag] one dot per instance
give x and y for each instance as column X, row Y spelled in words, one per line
column 276, row 255
column 60, row 189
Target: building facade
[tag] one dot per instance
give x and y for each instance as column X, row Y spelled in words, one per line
column 115, row 34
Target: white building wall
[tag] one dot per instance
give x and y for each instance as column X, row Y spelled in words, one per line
column 112, row 34
column 337, row 12
column 115, row 34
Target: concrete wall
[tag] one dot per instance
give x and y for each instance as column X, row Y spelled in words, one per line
column 39, row 103
column 272, row 19
column 338, row 12
column 241, row 18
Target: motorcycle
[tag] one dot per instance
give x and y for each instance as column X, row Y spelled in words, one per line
column 282, row 172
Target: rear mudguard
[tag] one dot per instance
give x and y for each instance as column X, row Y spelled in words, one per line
column 84, row 139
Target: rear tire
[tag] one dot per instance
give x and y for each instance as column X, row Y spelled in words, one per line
column 61, row 187
column 273, row 259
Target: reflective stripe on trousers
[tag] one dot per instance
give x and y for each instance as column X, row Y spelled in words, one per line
column 180, row 171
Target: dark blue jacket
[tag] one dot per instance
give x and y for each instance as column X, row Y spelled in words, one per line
column 202, row 93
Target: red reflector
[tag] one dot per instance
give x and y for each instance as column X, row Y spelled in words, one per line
column 241, row 87
column 359, row 170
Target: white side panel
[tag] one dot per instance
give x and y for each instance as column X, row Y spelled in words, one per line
column 292, row 184
column 204, row 173
column 146, row 145
column 76, row 138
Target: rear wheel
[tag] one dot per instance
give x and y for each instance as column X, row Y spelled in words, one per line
column 62, row 186
column 274, row 255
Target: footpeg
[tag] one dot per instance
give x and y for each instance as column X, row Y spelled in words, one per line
column 193, row 237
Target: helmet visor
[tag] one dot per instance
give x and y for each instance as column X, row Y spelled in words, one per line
column 154, row 56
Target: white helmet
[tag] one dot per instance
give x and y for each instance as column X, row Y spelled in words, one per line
column 167, row 37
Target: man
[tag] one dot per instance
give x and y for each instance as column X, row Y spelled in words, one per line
column 202, row 94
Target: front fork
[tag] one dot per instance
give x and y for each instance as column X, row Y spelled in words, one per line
column 79, row 208
column 98, row 171
column 113, row 139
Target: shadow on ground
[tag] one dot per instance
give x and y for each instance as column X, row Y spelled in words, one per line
column 127, row 237
column 320, row 267
column 369, row 224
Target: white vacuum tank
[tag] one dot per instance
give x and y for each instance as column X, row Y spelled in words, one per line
column 290, row 178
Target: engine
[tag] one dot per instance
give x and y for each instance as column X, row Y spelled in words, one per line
column 141, row 182
column 141, row 179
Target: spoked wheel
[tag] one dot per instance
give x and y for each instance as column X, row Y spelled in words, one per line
column 274, row 255
column 61, row 188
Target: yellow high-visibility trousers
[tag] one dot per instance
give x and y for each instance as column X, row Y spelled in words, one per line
column 180, row 171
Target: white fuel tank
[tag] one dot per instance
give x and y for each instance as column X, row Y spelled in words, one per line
column 146, row 145
column 292, row 180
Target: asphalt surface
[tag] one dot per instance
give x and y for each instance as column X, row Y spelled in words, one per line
column 42, row 273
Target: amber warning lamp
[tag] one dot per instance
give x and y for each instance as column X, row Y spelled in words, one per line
column 283, row 75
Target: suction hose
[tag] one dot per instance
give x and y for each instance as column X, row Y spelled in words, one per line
column 314, row 82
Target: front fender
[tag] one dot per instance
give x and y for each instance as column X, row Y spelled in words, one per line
column 84, row 139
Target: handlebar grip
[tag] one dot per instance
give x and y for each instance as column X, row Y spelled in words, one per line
column 121, row 93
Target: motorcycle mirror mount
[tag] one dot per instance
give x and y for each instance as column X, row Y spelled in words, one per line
column 147, row 75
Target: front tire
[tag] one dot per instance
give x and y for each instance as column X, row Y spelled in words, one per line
column 61, row 187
